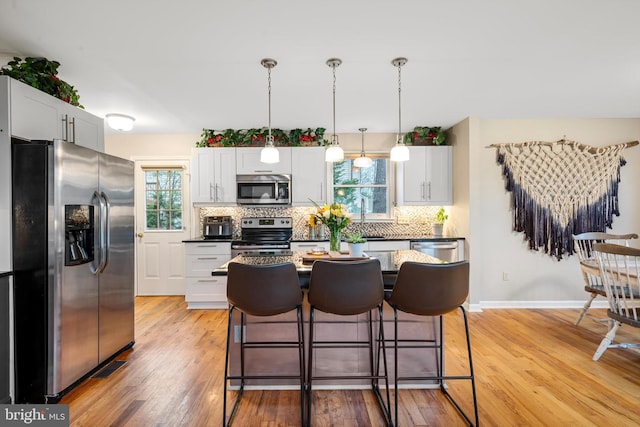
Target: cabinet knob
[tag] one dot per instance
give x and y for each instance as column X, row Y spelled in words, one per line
column 140, row 234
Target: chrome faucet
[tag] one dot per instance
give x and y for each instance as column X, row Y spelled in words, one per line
column 362, row 216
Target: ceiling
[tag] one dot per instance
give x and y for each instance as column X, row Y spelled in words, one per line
column 182, row 66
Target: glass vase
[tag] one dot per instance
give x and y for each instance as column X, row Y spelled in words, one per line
column 334, row 240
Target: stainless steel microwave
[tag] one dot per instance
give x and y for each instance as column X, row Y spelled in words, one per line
column 263, row 189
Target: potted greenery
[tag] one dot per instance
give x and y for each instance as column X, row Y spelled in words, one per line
column 42, row 74
column 426, row 135
column 356, row 244
column 438, row 222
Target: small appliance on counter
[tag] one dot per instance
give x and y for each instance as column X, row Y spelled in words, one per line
column 217, row 227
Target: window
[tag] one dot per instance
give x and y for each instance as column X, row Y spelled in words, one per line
column 353, row 186
column 163, row 195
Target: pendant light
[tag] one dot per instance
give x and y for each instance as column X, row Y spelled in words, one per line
column 400, row 152
column 269, row 153
column 363, row 161
column 334, row 153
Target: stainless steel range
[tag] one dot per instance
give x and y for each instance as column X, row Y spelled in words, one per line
column 264, row 236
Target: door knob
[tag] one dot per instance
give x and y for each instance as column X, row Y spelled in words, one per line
column 140, row 234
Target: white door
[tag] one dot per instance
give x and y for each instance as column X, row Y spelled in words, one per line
column 163, row 221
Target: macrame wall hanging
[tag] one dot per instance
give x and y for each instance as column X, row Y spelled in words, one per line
column 561, row 188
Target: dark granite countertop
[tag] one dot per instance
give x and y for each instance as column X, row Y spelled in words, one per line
column 201, row 239
column 390, row 261
column 413, row 238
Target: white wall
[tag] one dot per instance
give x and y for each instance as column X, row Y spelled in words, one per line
column 481, row 211
column 535, row 278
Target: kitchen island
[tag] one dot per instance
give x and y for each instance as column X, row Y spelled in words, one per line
column 333, row 327
column 390, row 262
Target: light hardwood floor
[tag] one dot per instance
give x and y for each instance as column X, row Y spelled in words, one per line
column 533, row 368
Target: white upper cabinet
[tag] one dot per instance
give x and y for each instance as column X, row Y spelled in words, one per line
column 37, row 115
column 213, row 176
column 248, row 162
column 426, row 178
column 82, row 128
column 308, row 176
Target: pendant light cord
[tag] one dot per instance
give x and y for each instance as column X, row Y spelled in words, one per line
column 399, row 102
column 334, row 103
column 269, row 90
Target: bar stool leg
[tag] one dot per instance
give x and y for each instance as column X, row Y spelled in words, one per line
column 227, row 370
column 381, row 343
column 395, row 360
column 301, row 361
column 310, row 365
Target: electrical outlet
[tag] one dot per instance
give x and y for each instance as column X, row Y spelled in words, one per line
column 404, row 220
column 236, row 333
column 505, row 276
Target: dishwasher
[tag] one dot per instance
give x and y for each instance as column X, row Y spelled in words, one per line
column 448, row 250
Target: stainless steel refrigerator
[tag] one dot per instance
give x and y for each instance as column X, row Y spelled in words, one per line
column 73, row 259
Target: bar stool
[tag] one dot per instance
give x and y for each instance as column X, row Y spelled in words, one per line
column 262, row 290
column 432, row 290
column 349, row 288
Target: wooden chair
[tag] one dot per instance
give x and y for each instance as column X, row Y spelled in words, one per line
column 588, row 265
column 620, row 272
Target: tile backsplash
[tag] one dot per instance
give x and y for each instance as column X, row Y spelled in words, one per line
column 408, row 221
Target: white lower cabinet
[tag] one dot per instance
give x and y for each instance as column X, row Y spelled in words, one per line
column 202, row 289
column 387, row 245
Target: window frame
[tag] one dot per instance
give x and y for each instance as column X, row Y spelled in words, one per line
column 390, row 178
column 182, row 174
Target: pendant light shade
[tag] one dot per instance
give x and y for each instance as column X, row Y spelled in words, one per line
column 363, row 161
column 334, row 153
column 400, row 152
column 269, row 154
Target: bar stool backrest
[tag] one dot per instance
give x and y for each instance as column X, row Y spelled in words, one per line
column 346, row 287
column 430, row 289
column 263, row 290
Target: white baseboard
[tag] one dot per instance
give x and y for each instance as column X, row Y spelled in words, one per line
column 535, row 304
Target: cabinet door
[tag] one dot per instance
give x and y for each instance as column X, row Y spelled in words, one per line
column 202, row 175
column 248, row 161
column 426, row 176
column 224, row 165
column 414, row 180
column 82, row 128
column 388, row 245
column 308, row 246
column 308, row 176
column 439, row 189
column 34, row 114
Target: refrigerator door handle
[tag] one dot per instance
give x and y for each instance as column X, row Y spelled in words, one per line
column 107, row 230
column 101, row 234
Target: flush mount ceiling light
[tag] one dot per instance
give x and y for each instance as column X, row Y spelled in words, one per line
column 120, row 122
column 400, row 152
column 334, row 153
column 363, row 161
column 269, row 153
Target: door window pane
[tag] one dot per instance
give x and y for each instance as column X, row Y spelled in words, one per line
column 163, row 197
